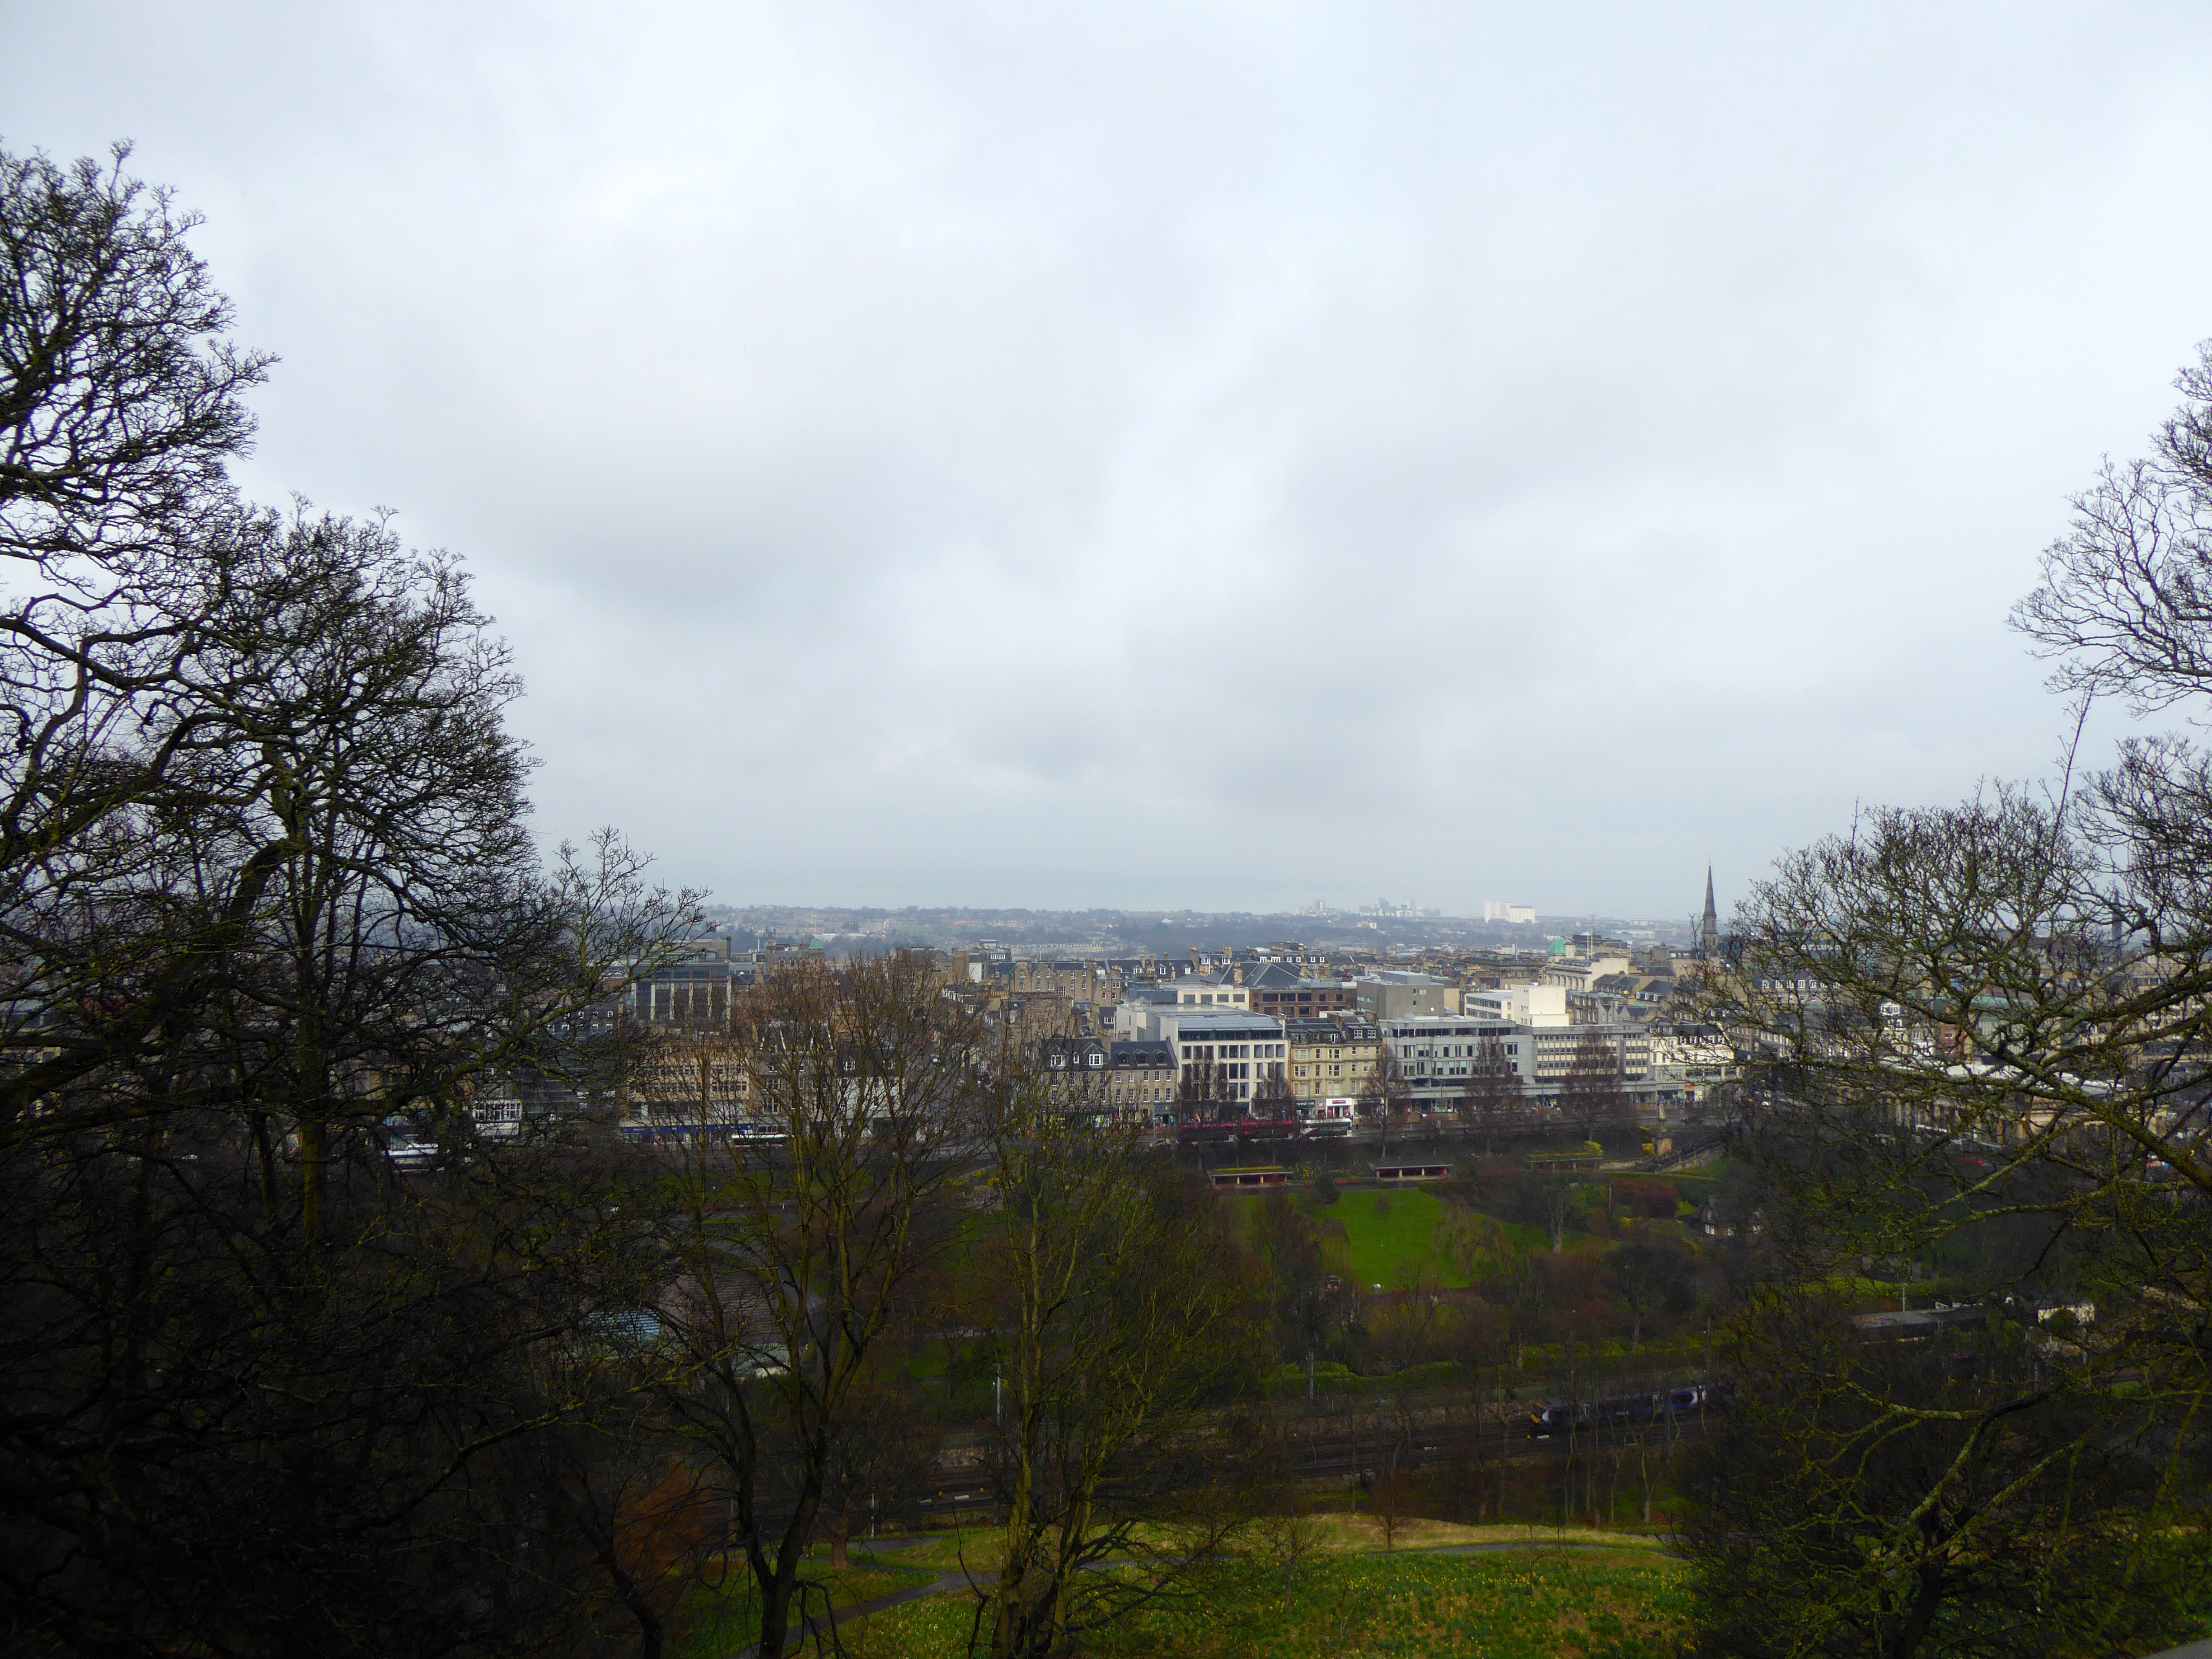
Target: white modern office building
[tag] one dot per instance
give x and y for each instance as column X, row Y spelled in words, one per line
column 1438, row 1055
column 1248, row 1048
column 1541, row 1005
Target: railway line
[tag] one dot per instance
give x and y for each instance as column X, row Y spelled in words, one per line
column 1320, row 1452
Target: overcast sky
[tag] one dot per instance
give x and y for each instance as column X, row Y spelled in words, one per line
column 1215, row 455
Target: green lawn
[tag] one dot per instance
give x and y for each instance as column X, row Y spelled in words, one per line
column 720, row 1619
column 1391, row 1236
column 1518, row 1605
column 936, row 1627
column 1343, row 1534
column 980, row 1550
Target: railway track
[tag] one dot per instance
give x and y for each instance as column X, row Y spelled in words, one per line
column 1366, row 1450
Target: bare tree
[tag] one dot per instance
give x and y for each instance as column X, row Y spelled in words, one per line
column 1202, row 1093
column 1494, row 1089
column 1941, row 1497
column 259, row 766
column 122, row 397
column 1385, row 1096
column 1651, row 1274
column 1112, row 1305
column 1558, row 1191
column 1591, row 1096
column 1983, row 1034
column 1391, row 1501
column 799, row 1256
column 120, row 407
column 263, row 886
column 1272, row 1098
column 632, row 1519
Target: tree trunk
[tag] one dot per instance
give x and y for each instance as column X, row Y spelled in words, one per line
column 313, row 1178
column 1504, row 1449
column 1903, row 1639
column 791, row 1550
column 265, row 1157
column 627, row 1591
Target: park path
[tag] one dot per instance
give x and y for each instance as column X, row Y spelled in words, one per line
column 945, row 1583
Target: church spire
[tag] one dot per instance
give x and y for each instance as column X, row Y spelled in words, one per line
column 1709, row 930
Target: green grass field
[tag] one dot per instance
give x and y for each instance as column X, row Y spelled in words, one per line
column 1391, row 1240
column 977, row 1549
column 1528, row 1604
column 1391, row 1236
column 719, row 1620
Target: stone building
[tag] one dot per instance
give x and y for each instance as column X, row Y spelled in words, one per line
column 1330, row 1057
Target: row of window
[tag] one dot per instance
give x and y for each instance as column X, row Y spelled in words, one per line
column 1192, row 1051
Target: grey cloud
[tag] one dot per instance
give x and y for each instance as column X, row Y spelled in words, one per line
column 1202, row 454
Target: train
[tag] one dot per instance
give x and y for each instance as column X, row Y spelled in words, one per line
column 1552, row 1417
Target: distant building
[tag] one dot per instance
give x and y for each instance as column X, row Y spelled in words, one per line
column 1391, row 995
column 504, row 1105
column 1534, row 1005
column 688, row 1080
column 1689, row 1061
column 1581, row 973
column 695, row 993
column 1331, row 1057
column 1384, row 908
column 1289, row 953
column 1621, row 997
column 1212, row 991
column 1249, row 1048
column 1136, row 1017
column 1277, row 990
column 1553, row 1054
column 1077, row 1060
column 1140, row 1079
column 1709, row 929
column 1096, row 983
column 1439, row 1055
